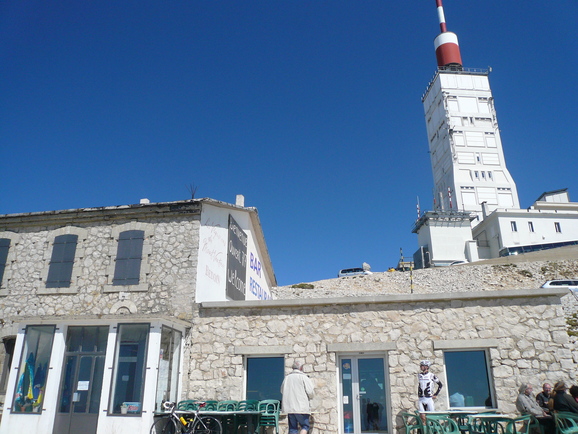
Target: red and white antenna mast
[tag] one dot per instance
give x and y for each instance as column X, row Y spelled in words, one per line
column 446, row 43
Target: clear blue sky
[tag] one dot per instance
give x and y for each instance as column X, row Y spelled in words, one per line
column 311, row 109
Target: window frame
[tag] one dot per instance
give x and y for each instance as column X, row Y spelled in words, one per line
column 267, row 372
column 174, row 363
column 145, row 257
column 9, row 344
column 513, row 226
column 488, row 372
column 531, row 226
column 557, row 227
column 115, row 370
column 50, row 330
column 79, row 254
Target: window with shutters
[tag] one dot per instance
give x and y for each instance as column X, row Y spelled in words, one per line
column 62, row 261
column 8, row 242
column 64, row 249
column 128, row 258
column 4, row 249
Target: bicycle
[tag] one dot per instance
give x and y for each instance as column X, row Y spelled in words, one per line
column 172, row 423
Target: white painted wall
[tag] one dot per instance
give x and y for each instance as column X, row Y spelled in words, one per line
column 212, row 262
column 445, row 243
column 498, row 227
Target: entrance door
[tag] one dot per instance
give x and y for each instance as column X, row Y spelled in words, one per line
column 363, row 389
column 81, row 381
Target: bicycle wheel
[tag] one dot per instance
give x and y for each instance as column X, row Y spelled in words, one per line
column 207, row 425
column 165, row 425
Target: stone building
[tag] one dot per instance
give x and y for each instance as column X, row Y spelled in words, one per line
column 482, row 345
column 96, row 305
column 108, row 311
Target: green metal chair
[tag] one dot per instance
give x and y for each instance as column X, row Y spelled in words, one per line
column 248, row 405
column 441, row 424
column 242, row 421
column 413, row 423
column 492, row 425
column 210, row 405
column 269, row 409
column 229, row 422
column 520, row 425
column 566, row 422
column 188, row 405
column 227, row 405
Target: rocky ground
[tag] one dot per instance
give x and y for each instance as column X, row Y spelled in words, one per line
column 457, row 278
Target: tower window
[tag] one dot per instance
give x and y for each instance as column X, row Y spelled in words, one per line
column 557, row 227
column 531, row 226
column 514, row 226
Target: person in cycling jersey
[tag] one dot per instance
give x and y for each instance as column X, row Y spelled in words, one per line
column 425, row 390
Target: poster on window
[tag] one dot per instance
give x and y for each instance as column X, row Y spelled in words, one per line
column 236, row 261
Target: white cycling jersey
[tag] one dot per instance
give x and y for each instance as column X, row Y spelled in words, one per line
column 426, row 385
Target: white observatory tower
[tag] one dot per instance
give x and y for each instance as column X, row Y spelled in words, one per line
column 464, row 139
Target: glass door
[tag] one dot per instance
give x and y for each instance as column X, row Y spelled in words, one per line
column 363, row 388
column 81, row 382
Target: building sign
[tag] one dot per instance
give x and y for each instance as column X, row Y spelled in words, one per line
column 236, row 261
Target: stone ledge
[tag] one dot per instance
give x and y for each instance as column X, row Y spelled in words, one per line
column 462, row 344
column 361, row 347
column 389, row 299
column 263, row 349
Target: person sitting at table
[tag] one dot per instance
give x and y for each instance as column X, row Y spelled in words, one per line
column 543, row 397
column 526, row 404
column 574, row 392
column 560, row 400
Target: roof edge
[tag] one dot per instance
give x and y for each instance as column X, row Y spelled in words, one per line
column 389, row 299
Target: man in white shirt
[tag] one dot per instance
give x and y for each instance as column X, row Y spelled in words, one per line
column 427, row 382
column 297, row 390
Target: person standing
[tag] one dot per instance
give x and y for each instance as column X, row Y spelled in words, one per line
column 427, row 381
column 297, row 390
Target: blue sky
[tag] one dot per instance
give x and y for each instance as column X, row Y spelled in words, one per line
column 311, row 109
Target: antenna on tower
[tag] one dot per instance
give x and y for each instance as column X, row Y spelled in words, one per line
column 441, row 16
column 446, row 43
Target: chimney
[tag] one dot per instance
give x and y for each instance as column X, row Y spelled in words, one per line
column 484, row 210
column 240, row 200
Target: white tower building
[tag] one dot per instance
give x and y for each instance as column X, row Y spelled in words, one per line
column 464, row 139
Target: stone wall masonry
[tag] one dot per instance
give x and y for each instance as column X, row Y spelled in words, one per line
column 171, row 281
column 528, row 335
column 460, row 278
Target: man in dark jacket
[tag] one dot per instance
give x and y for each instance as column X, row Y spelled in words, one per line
column 543, row 397
column 561, row 400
